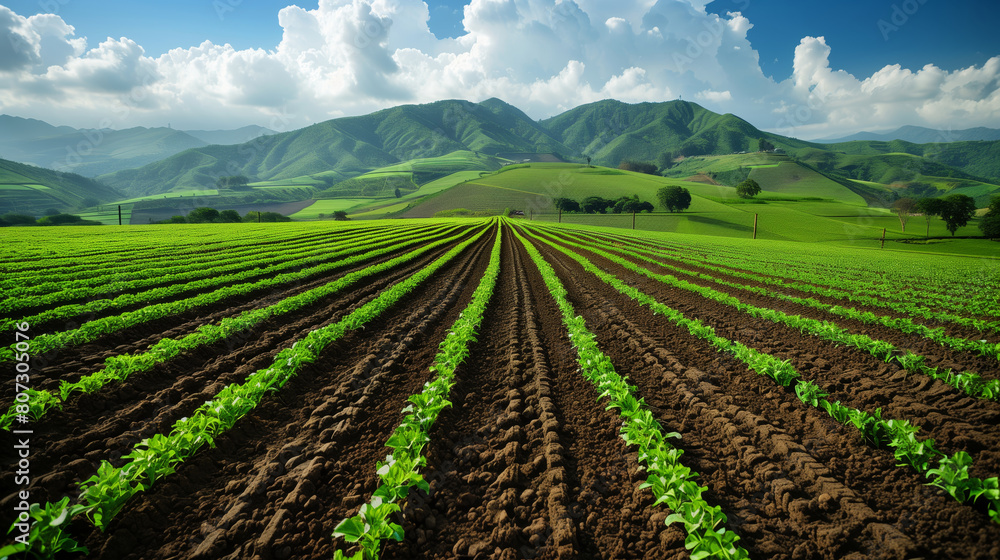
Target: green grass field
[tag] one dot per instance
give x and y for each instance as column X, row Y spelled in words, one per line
column 108, row 216
column 327, row 207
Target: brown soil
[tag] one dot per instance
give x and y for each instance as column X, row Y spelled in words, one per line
column 526, row 463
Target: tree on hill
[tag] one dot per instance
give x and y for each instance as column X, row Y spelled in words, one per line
column 202, row 215
column 930, row 207
column 674, row 199
column 904, row 208
column 66, row 220
column 665, row 161
column 990, row 223
column 13, row 219
column 748, row 189
column 567, row 205
column 340, row 215
column 765, row 145
column 629, row 205
column 233, row 182
column 958, row 210
column 638, row 166
column 254, row 216
column 230, row 217
column 595, row 205
column 398, row 193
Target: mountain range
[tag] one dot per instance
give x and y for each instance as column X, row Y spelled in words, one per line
column 921, row 135
column 605, row 132
column 93, row 152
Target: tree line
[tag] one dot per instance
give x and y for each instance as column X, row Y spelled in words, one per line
column 955, row 209
column 206, row 215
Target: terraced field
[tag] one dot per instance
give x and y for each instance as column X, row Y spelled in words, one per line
column 497, row 389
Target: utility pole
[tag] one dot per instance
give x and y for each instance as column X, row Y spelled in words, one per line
column 119, row 214
column 883, row 238
column 755, row 226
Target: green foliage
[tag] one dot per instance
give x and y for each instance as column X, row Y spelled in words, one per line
column 399, row 472
column 567, row 204
column 595, row 205
column 254, row 216
column 229, row 217
column 13, row 219
column 66, row 220
column 990, row 222
column 202, row 215
column 748, row 189
column 638, row 167
column 958, row 209
column 233, row 182
column 670, row 482
column 674, row 198
column 47, row 538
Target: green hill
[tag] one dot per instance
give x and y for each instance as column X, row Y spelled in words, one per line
column 343, row 148
column 610, row 131
column 975, row 159
column 27, row 189
column 88, row 152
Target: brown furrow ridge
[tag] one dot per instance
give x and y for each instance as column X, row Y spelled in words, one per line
column 526, row 464
column 139, row 337
column 799, row 508
column 123, row 414
column 954, row 420
column 951, row 328
column 936, row 354
column 285, row 475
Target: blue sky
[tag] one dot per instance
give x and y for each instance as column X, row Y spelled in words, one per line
column 803, row 68
column 950, row 35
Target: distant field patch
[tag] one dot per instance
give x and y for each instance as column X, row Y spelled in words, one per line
column 327, row 207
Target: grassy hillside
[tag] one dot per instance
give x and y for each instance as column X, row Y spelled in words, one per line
column 32, row 190
column 972, row 159
column 610, row 131
column 92, row 152
column 343, row 148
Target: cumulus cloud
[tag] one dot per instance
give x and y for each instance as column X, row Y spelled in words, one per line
column 819, row 100
column 350, row 57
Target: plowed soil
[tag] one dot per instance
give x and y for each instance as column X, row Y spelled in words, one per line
column 526, row 463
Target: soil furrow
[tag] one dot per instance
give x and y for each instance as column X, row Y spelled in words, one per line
column 794, row 483
column 296, row 465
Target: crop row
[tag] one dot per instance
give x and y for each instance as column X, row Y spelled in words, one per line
column 400, row 472
column 260, row 266
column 100, row 327
column 103, row 495
column 902, row 324
column 951, row 474
column 78, row 254
column 843, row 291
column 76, row 285
column 119, row 368
column 669, row 480
column 971, row 383
column 901, row 284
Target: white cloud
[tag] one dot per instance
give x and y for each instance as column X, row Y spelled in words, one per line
column 715, row 96
column 351, row 57
column 821, row 101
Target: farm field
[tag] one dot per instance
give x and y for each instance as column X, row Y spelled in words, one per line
column 499, row 389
